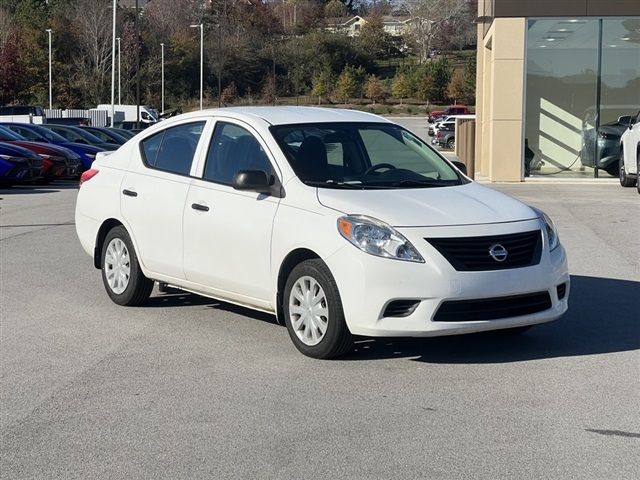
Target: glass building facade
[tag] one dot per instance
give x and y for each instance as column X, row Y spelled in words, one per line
column 582, row 77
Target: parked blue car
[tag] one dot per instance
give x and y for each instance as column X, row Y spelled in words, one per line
column 18, row 165
column 36, row 133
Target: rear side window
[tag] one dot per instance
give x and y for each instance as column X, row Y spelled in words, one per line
column 173, row 149
column 232, row 149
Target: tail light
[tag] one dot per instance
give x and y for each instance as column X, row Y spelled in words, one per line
column 88, row 175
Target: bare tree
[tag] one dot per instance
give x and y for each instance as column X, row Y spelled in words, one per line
column 92, row 19
column 429, row 17
column 6, row 24
column 167, row 17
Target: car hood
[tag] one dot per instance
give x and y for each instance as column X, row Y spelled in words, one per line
column 469, row 204
column 45, row 148
column 82, row 147
column 17, row 151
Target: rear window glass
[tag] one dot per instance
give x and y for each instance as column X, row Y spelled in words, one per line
column 173, row 149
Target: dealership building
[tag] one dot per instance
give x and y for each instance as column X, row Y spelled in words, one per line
column 554, row 78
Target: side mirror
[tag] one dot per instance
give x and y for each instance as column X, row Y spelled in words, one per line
column 460, row 166
column 625, row 120
column 256, row 181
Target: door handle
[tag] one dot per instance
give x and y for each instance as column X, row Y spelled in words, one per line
column 199, row 207
column 129, row 193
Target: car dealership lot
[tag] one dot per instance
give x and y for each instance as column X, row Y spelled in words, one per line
column 188, row 387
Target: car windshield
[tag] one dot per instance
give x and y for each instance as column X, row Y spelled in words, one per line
column 363, row 156
column 8, row 135
column 75, row 134
column 48, row 134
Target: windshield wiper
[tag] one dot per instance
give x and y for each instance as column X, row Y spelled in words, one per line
column 334, row 184
column 415, row 183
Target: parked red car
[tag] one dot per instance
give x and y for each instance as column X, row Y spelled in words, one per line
column 58, row 162
column 435, row 115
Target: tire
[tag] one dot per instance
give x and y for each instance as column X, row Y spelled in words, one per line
column 612, row 169
column 305, row 332
column 117, row 256
column 625, row 180
column 451, row 144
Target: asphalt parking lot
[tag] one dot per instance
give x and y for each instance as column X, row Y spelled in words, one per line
column 188, row 387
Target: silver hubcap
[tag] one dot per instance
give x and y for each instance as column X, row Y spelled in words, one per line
column 308, row 311
column 117, row 266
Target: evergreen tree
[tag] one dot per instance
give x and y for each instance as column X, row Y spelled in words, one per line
column 400, row 87
column 322, row 83
column 347, row 84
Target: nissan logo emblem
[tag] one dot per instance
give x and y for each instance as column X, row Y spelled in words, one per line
column 498, row 252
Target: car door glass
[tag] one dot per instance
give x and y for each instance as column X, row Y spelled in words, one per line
column 232, row 149
column 172, row 149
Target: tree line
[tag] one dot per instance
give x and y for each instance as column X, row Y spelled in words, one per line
column 255, row 50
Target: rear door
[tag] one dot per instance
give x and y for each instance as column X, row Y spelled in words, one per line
column 227, row 233
column 153, row 194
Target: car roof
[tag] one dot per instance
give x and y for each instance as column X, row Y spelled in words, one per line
column 290, row 115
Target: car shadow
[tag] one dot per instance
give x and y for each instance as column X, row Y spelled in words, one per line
column 27, row 190
column 174, row 297
column 602, row 318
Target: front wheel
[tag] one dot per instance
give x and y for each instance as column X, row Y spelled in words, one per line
column 121, row 274
column 313, row 311
column 625, row 180
column 451, row 144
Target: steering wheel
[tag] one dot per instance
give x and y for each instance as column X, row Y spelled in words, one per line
column 378, row 166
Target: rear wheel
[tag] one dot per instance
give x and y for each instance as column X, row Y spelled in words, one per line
column 121, row 274
column 313, row 311
column 625, row 180
column 451, row 143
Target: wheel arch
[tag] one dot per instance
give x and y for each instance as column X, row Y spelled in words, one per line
column 289, row 262
column 106, row 226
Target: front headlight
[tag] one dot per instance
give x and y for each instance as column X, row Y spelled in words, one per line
column 45, row 156
column 552, row 233
column 377, row 238
column 92, row 156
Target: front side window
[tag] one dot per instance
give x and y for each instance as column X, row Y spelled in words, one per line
column 363, row 156
column 233, row 148
column 173, row 149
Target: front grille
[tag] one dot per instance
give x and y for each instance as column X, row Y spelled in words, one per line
column 492, row 308
column 562, row 290
column 400, row 308
column 471, row 254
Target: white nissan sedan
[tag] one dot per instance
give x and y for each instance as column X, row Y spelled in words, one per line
column 341, row 223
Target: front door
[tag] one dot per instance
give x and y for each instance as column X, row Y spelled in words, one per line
column 227, row 233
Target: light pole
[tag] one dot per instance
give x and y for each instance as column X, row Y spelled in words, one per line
column 119, row 74
column 162, row 78
column 201, row 27
column 50, row 77
column 113, row 64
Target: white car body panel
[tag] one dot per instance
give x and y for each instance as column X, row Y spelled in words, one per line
column 630, row 141
column 235, row 250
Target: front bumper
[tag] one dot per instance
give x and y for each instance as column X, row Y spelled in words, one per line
column 368, row 284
